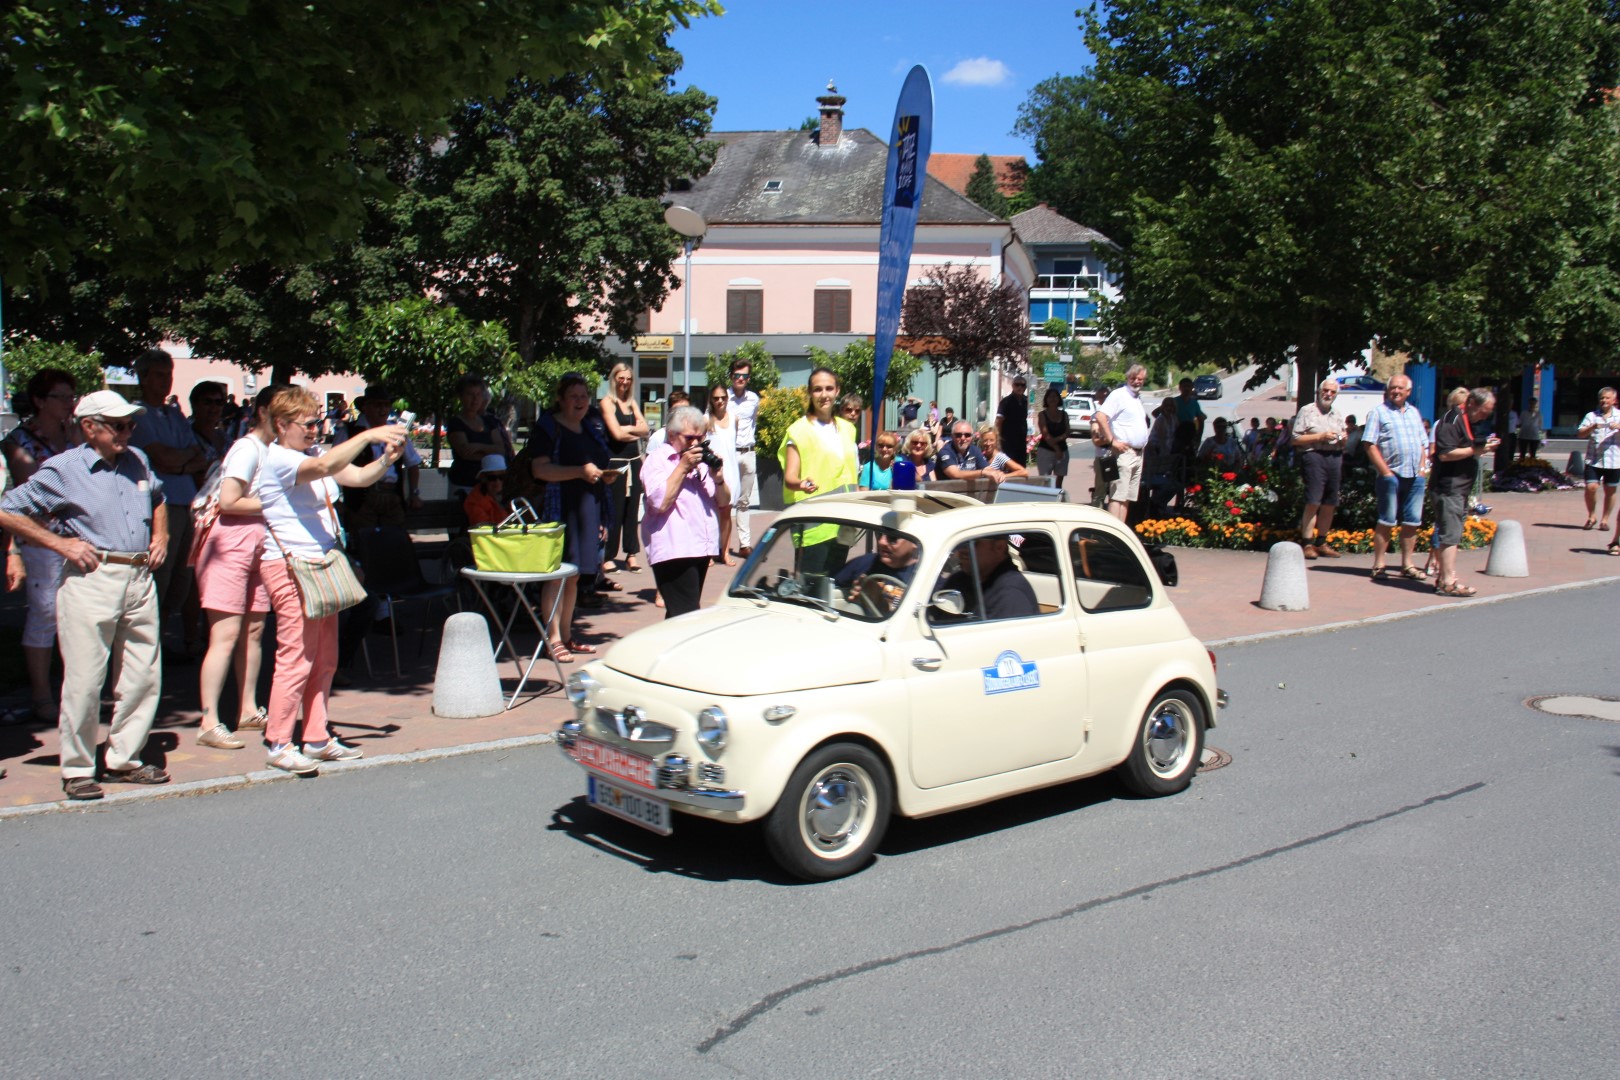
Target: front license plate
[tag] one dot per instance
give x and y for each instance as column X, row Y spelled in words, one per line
column 615, row 762
column 632, row 806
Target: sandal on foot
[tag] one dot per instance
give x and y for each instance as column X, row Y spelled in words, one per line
column 1591, row 523
column 581, row 647
column 604, row 585
column 81, row 788
column 559, row 652
column 1454, row 589
column 1614, row 548
column 1413, row 573
column 1379, row 573
column 631, row 568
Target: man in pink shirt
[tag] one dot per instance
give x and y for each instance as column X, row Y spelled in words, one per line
column 680, row 529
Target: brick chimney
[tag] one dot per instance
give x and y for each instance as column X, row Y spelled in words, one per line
column 832, row 116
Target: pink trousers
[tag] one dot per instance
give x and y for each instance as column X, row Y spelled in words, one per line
column 306, row 660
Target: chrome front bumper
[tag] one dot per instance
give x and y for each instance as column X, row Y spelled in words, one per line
column 699, row 798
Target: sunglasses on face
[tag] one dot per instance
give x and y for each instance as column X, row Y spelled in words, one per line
column 119, row 427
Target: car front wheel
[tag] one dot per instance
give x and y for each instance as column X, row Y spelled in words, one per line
column 833, row 813
column 1166, row 752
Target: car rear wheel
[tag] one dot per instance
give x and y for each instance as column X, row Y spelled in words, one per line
column 1168, row 744
column 833, row 813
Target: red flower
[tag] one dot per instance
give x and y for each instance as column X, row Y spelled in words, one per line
column 1262, row 478
column 1229, row 476
column 1195, row 489
column 1230, row 505
column 1219, row 457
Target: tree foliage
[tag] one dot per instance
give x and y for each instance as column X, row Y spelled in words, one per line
column 763, row 374
column 147, row 134
column 964, row 320
column 419, row 348
column 26, row 356
column 543, row 208
column 983, row 189
column 855, row 366
column 1290, row 180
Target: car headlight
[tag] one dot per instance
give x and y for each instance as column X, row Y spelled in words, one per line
column 712, row 730
column 579, row 688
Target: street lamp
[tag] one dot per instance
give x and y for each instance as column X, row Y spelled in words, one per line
column 690, row 224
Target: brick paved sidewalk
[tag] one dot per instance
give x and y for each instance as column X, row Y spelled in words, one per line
column 1218, row 596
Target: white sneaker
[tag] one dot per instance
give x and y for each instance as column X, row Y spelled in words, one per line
column 288, row 759
column 332, row 751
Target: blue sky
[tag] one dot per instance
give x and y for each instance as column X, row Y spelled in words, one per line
column 767, row 60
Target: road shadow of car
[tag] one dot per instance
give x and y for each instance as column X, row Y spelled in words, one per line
column 698, row 849
column 710, row 851
column 907, row 836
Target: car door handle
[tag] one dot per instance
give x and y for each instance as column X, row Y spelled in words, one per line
column 927, row 663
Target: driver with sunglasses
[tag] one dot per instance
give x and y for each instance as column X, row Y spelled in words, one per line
column 108, row 504
column 895, row 557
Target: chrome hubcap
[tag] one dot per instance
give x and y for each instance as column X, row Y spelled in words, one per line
column 1167, row 737
column 835, row 807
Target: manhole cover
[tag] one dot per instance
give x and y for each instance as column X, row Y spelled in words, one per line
column 1587, row 708
column 1212, row 759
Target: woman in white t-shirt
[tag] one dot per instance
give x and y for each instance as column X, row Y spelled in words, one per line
column 230, row 587
column 297, row 494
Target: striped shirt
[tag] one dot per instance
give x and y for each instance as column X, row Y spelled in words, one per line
column 1398, row 434
column 107, row 506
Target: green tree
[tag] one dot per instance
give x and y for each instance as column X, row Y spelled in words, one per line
column 26, row 356
column 151, row 135
column 983, row 189
column 855, row 364
column 542, row 210
column 763, row 374
column 1291, row 180
column 419, row 348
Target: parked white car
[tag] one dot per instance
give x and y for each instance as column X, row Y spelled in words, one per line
column 897, row 652
column 1079, row 407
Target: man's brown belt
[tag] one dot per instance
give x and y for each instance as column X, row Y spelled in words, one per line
column 124, row 558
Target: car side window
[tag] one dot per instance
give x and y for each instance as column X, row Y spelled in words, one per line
column 1108, row 576
column 989, row 572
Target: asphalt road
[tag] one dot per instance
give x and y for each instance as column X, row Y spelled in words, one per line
column 1404, row 872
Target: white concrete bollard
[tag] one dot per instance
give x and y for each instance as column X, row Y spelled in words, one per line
column 1577, row 465
column 1285, row 588
column 1507, row 558
column 466, row 684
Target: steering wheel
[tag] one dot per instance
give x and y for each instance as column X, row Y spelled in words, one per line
column 891, row 589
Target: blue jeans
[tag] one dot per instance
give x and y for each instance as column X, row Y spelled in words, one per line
column 1400, row 499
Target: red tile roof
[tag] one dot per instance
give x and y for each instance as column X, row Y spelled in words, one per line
column 955, row 170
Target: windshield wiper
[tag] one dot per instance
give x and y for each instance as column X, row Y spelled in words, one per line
column 751, row 592
column 824, row 606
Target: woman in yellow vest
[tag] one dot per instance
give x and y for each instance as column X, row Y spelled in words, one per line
column 818, row 457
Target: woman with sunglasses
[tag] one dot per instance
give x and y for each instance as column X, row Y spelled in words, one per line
column 722, row 436
column 48, row 431
column 626, row 428
column 297, row 494
column 681, row 526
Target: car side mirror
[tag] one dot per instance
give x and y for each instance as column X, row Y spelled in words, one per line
column 949, row 602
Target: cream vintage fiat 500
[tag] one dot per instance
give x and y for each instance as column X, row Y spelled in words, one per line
column 905, row 652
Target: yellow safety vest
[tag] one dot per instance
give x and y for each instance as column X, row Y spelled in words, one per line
column 833, row 473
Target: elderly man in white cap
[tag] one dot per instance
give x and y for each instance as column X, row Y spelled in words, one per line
column 108, row 505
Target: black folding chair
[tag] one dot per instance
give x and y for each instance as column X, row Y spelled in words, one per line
column 393, row 573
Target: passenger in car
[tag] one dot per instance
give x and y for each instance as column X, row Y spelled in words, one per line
column 1006, row 593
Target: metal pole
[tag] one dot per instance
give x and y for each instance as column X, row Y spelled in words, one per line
column 686, row 287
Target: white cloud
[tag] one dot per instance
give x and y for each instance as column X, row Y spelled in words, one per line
column 980, row 71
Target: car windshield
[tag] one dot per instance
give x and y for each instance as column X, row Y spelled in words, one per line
column 844, row 569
